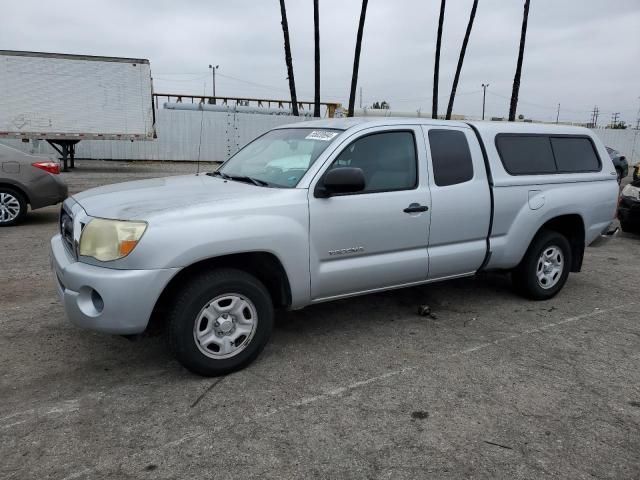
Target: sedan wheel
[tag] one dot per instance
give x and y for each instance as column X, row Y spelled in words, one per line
column 12, row 207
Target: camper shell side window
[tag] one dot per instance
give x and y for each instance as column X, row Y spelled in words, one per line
column 545, row 154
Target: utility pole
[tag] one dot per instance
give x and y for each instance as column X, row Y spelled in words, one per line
column 558, row 114
column 484, row 97
column 594, row 117
column 213, row 76
column 614, row 119
column 360, row 98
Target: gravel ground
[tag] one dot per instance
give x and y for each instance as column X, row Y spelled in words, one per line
column 493, row 387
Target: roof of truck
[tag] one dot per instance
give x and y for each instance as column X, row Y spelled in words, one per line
column 494, row 128
column 484, row 127
column 345, row 123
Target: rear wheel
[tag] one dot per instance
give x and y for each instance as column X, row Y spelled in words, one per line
column 13, row 207
column 220, row 322
column 545, row 267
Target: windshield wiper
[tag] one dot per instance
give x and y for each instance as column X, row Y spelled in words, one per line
column 240, row 178
column 243, row 178
column 218, row 173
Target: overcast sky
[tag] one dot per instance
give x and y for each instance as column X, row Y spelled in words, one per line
column 579, row 53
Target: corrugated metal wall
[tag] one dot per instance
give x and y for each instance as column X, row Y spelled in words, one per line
column 179, row 136
column 625, row 141
column 223, row 133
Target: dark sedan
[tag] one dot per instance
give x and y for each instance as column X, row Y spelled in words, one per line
column 629, row 208
column 620, row 162
column 27, row 181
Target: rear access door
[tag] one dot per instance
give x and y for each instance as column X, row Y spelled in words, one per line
column 460, row 201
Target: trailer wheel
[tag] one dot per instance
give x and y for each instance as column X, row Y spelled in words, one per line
column 545, row 267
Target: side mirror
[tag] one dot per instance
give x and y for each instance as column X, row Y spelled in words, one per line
column 622, row 158
column 341, row 180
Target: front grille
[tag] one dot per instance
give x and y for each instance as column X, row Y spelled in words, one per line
column 66, row 228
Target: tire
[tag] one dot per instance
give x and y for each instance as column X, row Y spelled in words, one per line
column 13, row 207
column 526, row 277
column 205, row 342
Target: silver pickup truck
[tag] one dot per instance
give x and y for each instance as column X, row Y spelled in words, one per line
column 328, row 209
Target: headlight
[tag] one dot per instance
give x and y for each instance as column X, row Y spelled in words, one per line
column 631, row 192
column 107, row 240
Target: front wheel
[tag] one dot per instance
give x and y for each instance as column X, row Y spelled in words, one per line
column 545, row 267
column 220, row 322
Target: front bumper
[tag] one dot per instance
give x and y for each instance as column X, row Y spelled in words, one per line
column 106, row 299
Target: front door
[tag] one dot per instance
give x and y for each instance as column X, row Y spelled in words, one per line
column 376, row 238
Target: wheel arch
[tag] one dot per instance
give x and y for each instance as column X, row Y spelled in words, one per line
column 572, row 227
column 265, row 266
column 17, row 187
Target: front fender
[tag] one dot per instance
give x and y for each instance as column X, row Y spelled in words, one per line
column 178, row 241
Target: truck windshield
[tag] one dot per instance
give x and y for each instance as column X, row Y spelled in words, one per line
column 278, row 158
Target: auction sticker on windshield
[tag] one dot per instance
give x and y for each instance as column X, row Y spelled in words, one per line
column 324, row 135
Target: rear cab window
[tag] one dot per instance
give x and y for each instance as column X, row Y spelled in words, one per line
column 543, row 154
column 450, row 157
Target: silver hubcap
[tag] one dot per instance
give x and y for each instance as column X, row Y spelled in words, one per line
column 550, row 265
column 225, row 326
column 9, row 207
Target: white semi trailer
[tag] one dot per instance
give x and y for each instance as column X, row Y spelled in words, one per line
column 65, row 98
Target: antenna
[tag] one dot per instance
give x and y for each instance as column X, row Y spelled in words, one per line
column 200, row 142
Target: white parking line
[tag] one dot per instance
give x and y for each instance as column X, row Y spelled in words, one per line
column 338, row 391
column 67, row 406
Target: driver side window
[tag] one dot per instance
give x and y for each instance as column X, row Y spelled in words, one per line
column 388, row 160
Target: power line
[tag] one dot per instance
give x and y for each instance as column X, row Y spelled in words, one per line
column 162, row 76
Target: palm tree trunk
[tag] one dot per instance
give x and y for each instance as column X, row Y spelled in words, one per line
column 316, row 36
column 436, row 69
column 516, row 79
column 356, row 59
column 287, row 58
column 463, row 50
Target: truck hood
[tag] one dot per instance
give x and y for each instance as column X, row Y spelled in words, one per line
column 144, row 199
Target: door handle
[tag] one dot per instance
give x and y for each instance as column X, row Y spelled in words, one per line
column 415, row 208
